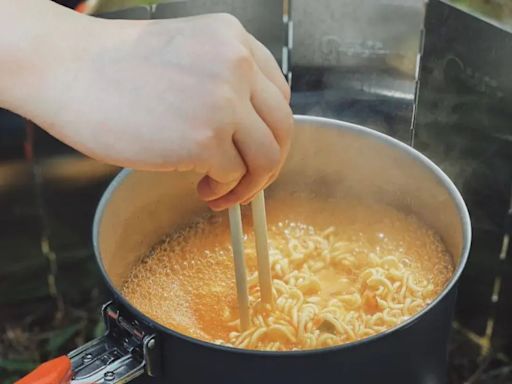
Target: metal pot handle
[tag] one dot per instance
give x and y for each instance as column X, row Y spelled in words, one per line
column 126, row 351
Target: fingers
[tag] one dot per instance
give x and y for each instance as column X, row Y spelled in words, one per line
column 277, row 116
column 262, row 157
column 226, row 168
column 269, row 67
column 275, row 111
column 261, row 140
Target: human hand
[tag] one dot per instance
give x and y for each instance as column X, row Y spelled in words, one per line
column 195, row 94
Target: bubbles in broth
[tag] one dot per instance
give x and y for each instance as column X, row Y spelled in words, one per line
column 342, row 271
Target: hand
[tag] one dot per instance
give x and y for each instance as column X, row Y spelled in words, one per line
column 195, row 93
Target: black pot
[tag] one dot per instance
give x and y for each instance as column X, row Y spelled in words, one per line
column 328, row 158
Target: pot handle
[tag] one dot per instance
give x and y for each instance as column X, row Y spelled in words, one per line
column 56, row 371
column 126, row 351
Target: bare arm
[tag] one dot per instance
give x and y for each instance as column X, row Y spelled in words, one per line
column 186, row 94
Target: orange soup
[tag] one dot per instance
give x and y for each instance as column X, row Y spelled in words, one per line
column 342, row 271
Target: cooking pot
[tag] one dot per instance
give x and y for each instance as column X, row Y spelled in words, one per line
column 330, row 159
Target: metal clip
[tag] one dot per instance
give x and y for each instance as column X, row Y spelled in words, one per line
column 125, row 352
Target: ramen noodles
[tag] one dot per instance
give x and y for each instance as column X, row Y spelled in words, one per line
column 342, row 271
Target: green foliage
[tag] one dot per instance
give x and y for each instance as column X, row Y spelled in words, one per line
column 60, row 337
column 16, row 365
column 99, row 329
column 9, row 380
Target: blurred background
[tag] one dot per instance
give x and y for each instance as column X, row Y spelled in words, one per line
column 362, row 61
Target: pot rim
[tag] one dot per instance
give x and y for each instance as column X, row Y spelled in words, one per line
column 358, row 129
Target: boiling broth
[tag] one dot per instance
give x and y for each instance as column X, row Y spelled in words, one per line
column 342, row 271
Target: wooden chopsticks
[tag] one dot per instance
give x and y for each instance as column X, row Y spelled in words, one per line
column 261, row 240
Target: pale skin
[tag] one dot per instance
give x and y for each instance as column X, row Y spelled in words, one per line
column 196, row 93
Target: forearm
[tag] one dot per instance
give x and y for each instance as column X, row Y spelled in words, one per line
column 35, row 40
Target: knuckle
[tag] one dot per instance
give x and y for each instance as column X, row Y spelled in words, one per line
column 228, row 20
column 208, row 141
column 240, row 59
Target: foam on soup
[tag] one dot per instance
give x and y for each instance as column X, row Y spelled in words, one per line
column 342, row 271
